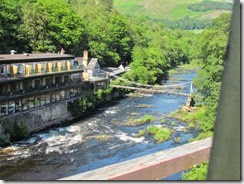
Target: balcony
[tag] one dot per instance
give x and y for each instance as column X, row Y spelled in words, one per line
column 16, row 75
column 98, row 77
column 45, row 71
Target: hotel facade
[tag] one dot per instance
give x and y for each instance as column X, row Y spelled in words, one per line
column 29, row 81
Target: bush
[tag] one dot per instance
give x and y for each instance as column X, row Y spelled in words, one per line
column 196, row 173
column 190, row 117
column 173, row 123
column 163, row 121
column 202, row 135
column 159, row 134
column 191, row 125
column 4, row 140
column 19, row 131
column 89, row 100
column 140, row 133
column 144, row 120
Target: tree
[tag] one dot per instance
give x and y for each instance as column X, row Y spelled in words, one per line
column 10, row 34
column 213, row 44
column 107, row 32
column 51, row 25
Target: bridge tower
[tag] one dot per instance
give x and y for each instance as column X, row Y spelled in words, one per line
column 190, row 101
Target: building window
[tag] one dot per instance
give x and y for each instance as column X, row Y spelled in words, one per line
column 57, row 96
column 2, row 69
column 31, row 102
column 48, row 100
column 62, row 95
column 18, row 106
column 4, row 109
column 43, row 100
column 37, row 101
column 53, row 98
column 11, row 107
column 25, row 104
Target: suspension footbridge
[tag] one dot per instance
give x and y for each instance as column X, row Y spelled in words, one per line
column 173, row 89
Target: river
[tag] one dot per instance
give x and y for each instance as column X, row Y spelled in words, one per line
column 65, row 151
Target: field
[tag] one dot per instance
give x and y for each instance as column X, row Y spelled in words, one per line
column 164, row 9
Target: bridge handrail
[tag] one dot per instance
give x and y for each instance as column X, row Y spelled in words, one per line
column 150, row 90
column 153, row 166
column 138, row 84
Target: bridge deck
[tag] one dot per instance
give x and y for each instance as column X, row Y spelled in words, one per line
column 153, row 166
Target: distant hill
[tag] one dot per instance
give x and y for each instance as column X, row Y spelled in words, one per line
column 172, row 10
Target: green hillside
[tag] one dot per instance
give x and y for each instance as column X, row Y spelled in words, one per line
column 170, row 9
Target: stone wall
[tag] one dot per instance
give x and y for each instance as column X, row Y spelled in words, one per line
column 39, row 119
column 1, row 130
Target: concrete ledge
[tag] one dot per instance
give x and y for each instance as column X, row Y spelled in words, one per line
column 153, row 166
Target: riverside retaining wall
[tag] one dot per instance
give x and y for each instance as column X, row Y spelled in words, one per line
column 39, row 119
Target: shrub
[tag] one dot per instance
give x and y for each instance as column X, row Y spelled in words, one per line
column 202, row 135
column 90, row 100
column 186, row 130
column 140, row 133
column 4, row 140
column 198, row 172
column 159, row 134
column 191, row 125
column 19, row 131
column 163, row 121
column 152, row 129
column 148, row 118
column 144, row 120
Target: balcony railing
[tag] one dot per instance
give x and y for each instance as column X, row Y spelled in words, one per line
column 36, row 72
column 50, row 70
column 41, row 89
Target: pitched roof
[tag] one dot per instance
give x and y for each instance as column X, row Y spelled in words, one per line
column 112, row 70
column 93, row 63
column 26, row 58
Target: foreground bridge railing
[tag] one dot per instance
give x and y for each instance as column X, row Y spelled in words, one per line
column 153, row 166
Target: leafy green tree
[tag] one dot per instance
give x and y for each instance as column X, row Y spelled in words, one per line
column 156, row 50
column 213, row 44
column 107, row 32
column 10, row 35
column 51, row 25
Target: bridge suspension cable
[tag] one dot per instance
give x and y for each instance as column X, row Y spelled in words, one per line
column 152, row 86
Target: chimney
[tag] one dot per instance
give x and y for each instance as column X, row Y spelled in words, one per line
column 85, row 58
column 62, row 51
